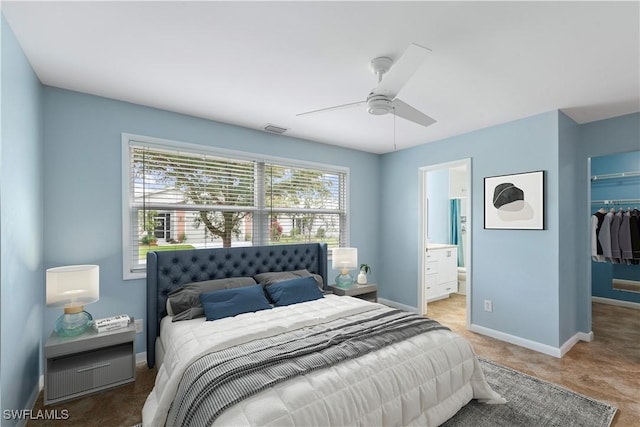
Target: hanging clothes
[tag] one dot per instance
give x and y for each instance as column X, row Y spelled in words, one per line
column 634, row 228
column 615, row 240
column 615, row 236
column 596, row 223
column 604, row 236
column 624, row 237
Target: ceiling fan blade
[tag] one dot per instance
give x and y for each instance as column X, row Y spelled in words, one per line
column 337, row 107
column 406, row 111
column 402, row 70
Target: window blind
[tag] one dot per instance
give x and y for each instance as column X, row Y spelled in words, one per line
column 185, row 199
column 305, row 204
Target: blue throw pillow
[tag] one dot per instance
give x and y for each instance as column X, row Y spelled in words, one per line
column 294, row 291
column 231, row 302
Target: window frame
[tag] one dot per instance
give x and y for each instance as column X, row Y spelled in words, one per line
column 260, row 160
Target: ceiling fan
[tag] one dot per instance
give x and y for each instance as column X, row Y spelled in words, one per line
column 391, row 78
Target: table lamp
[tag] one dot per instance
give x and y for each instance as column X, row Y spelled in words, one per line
column 343, row 259
column 71, row 287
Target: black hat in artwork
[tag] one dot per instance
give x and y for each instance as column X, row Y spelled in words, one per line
column 506, row 193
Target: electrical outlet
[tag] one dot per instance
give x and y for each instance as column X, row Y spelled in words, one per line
column 139, row 326
column 488, row 305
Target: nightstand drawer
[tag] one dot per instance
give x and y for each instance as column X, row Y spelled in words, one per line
column 90, row 370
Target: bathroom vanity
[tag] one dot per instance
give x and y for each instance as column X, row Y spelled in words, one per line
column 442, row 271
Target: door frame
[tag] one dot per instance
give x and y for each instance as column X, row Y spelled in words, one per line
column 423, row 227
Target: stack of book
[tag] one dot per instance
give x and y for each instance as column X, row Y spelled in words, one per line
column 111, row 323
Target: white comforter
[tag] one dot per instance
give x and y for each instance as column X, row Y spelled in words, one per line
column 420, row 381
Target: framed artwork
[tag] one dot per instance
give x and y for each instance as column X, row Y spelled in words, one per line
column 514, row 202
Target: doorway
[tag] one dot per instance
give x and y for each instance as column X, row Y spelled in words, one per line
column 614, row 195
column 445, row 229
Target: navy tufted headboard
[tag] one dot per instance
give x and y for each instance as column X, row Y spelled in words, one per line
column 167, row 270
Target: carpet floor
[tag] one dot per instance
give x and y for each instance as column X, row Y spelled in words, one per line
column 531, row 402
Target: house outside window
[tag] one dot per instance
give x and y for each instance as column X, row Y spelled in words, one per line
column 180, row 196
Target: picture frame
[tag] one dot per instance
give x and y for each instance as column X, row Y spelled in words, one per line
column 514, row 202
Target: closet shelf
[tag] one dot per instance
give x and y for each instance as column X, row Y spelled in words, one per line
column 614, row 175
column 614, row 202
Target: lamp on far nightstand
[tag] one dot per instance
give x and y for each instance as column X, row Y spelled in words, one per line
column 343, row 259
column 71, row 287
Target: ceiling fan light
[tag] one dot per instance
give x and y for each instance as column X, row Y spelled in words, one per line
column 379, row 105
column 378, row 111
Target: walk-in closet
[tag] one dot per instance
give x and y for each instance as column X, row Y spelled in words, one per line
column 615, row 229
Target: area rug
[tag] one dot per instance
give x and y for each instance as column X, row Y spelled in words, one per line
column 531, row 402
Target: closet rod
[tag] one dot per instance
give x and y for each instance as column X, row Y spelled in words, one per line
column 614, row 202
column 615, row 175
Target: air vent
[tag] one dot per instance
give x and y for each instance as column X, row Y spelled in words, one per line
column 275, row 129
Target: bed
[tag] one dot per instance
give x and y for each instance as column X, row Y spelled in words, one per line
column 320, row 360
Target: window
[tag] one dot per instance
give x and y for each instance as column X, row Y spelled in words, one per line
column 182, row 196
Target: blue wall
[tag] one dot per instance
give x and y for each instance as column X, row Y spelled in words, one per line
column 622, row 188
column 539, row 281
column 571, row 287
column 21, row 228
column 83, row 185
column 517, row 269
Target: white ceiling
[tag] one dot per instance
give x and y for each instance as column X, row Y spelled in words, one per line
column 253, row 63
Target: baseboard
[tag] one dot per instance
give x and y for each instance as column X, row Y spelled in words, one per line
column 580, row 336
column 31, row 402
column 610, row 301
column 141, row 358
column 394, row 304
column 522, row 342
column 586, row 337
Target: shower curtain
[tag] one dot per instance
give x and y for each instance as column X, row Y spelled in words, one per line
column 455, row 233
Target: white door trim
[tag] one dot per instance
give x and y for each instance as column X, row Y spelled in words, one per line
column 423, row 240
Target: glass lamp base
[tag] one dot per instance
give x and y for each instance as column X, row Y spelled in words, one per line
column 70, row 325
column 344, row 281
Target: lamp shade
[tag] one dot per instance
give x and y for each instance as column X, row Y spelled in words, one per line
column 73, row 285
column 344, row 258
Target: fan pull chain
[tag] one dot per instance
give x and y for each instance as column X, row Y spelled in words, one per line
column 394, row 129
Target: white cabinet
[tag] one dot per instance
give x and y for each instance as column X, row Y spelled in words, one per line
column 442, row 271
column 458, row 183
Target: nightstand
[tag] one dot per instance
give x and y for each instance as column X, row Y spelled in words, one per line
column 367, row 292
column 88, row 363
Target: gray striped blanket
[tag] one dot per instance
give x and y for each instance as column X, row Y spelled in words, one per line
column 223, row 378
